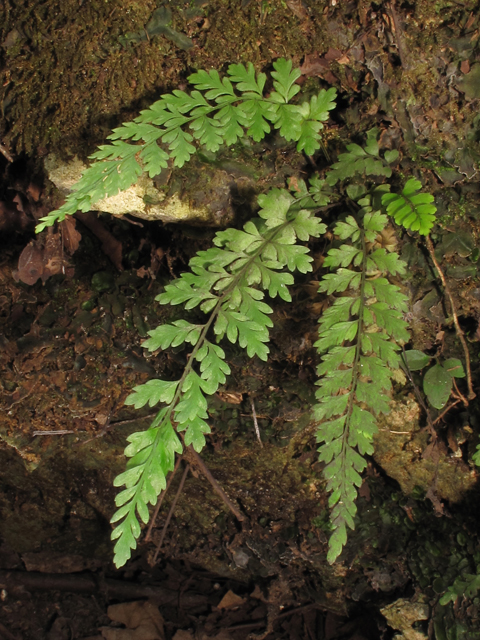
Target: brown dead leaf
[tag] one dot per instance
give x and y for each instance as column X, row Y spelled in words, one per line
column 465, row 66
column 232, row 397
column 30, row 264
column 141, row 619
column 70, row 236
column 230, row 599
column 436, row 502
column 34, row 191
column 257, row 593
column 333, row 54
column 364, row 491
column 314, row 65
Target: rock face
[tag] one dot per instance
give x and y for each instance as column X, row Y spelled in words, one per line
column 402, row 450
column 203, row 198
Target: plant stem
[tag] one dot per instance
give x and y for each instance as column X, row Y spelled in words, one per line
column 458, row 329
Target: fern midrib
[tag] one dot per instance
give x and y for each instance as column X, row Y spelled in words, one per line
column 228, row 290
column 356, row 362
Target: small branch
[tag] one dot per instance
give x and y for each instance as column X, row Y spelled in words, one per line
column 170, row 513
column 447, row 410
column 160, row 499
column 60, row 432
column 458, row 329
column 196, row 460
column 255, row 422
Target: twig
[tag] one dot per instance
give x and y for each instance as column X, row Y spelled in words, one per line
column 458, row 329
column 196, row 460
column 121, row 423
column 170, row 513
column 255, row 422
column 60, row 432
column 160, row 499
column 446, row 410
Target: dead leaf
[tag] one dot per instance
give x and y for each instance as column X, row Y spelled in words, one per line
column 465, row 66
column 313, row 65
column 257, row 593
column 70, row 236
column 230, row 599
column 364, row 491
column 30, row 264
column 34, row 191
column 232, row 397
column 142, row 619
column 333, row 54
column 436, row 502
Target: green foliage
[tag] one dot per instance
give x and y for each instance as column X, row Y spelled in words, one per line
column 464, row 587
column 358, row 340
column 438, row 380
column 411, row 209
column 228, row 283
column 476, row 456
column 218, row 111
column 362, row 161
column 359, row 334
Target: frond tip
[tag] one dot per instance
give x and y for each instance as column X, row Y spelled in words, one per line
column 358, row 341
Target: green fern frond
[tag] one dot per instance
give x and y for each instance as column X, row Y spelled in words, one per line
column 228, row 282
column 362, row 161
column 218, row 111
column 411, row 209
column 358, row 338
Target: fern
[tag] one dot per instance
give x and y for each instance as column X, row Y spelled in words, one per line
column 359, row 334
column 228, row 282
column 363, row 161
column 411, row 209
column 358, row 340
column 217, row 111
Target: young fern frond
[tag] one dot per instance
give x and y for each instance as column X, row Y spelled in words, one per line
column 228, row 282
column 218, row 111
column 358, row 341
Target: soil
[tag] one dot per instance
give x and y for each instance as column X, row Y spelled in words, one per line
column 76, row 303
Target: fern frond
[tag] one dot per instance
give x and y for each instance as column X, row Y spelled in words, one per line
column 362, row 161
column 152, row 457
column 218, row 111
column 228, row 282
column 411, row 209
column 358, row 338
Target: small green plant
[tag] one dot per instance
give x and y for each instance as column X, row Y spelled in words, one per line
column 361, row 331
column 438, row 381
column 466, row 586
